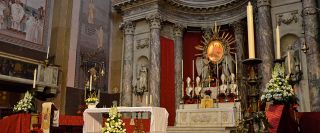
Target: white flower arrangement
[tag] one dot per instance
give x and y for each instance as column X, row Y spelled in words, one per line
column 25, row 104
column 114, row 124
column 278, row 90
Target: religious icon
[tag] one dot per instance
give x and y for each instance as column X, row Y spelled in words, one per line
column 215, row 51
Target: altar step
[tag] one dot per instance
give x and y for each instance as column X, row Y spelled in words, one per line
column 197, row 130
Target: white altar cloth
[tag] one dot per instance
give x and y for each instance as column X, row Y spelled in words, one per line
column 93, row 118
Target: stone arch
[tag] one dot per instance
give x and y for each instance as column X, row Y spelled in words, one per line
column 287, row 40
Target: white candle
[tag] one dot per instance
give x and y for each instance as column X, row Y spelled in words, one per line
column 34, row 78
column 48, row 52
column 182, row 70
column 147, row 100
column 193, row 70
column 150, row 100
column 289, row 63
column 215, row 27
column 250, row 31
column 90, row 82
column 182, row 88
column 278, row 55
column 235, row 57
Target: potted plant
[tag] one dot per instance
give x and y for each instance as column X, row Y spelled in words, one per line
column 92, row 100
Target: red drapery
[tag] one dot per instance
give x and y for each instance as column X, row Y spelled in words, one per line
column 167, row 92
column 190, row 40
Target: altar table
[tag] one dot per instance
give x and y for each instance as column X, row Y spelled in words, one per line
column 93, row 118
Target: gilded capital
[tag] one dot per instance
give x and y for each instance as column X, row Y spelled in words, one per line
column 178, row 30
column 128, row 27
column 154, row 20
column 261, row 3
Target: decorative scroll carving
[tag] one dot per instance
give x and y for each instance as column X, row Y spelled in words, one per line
column 128, row 27
column 154, row 20
column 143, row 43
column 309, row 11
column 288, row 18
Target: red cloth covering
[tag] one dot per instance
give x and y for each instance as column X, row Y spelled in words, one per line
column 17, row 123
column 167, row 92
column 274, row 114
column 130, row 128
column 309, row 122
column 67, row 120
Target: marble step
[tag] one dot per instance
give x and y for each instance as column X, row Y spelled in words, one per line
column 197, row 130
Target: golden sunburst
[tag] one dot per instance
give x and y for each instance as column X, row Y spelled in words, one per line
column 215, row 47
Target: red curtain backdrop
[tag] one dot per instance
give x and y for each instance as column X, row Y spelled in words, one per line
column 190, row 40
column 167, row 94
column 17, row 123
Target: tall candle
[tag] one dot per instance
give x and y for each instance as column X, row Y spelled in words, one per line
column 147, row 100
column 182, row 70
column 48, row 52
column 150, row 100
column 235, row 57
column 90, row 82
column 215, row 27
column 34, row 78
column 193, row 70
column 250, row 31
column 182, row 89
column 289, row 62
column 278, row 56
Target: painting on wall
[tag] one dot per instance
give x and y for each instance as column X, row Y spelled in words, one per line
column 93, row 44
column 24, row 22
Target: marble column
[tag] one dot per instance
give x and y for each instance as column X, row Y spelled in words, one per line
column 265, row 46
column 154, row 74
column 178, row 56
column 126, row 93
column 238, row 27
column 309, row 14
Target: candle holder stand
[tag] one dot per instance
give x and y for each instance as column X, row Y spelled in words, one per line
column 254, row 120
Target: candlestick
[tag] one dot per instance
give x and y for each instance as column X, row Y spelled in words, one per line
column 193, row 70
column 147, row 100
column 215, row 27
column 90, row 82
column 98, row 94
column 182, row 69
column 150, row 100
column 235, row 57
column 226, row 66
column 289, row 62
column 250, row 31
column 182, row 89
column 48, row 52
column 34, row 78
column 278, row 55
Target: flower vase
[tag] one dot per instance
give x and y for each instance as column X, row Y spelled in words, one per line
column 92, row 105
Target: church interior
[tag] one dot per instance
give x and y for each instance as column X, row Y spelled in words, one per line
column 176, row 66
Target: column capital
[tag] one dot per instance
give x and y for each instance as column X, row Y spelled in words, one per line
column 128, row 27
column 261, row 3
column 178, row 30
column 154, row 20
column 309, row 11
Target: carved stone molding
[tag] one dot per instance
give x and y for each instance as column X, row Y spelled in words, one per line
column 309, row 11
column 238, row 26
column 288, row 18
column 154, row 20
column 263, row 3
column 207, row 33
column 178, row 30
column 143, row 43
column 128, row 27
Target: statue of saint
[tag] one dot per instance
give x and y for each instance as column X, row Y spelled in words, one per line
column 223, row 86
column 189, row 87
column 143, row 79
column 198, row 87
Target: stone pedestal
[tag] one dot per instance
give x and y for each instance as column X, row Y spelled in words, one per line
column 265, row 47
column 154, row 75
column 309, row 14
column 126, row 93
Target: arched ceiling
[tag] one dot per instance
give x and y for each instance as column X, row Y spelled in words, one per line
column 196, row 13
